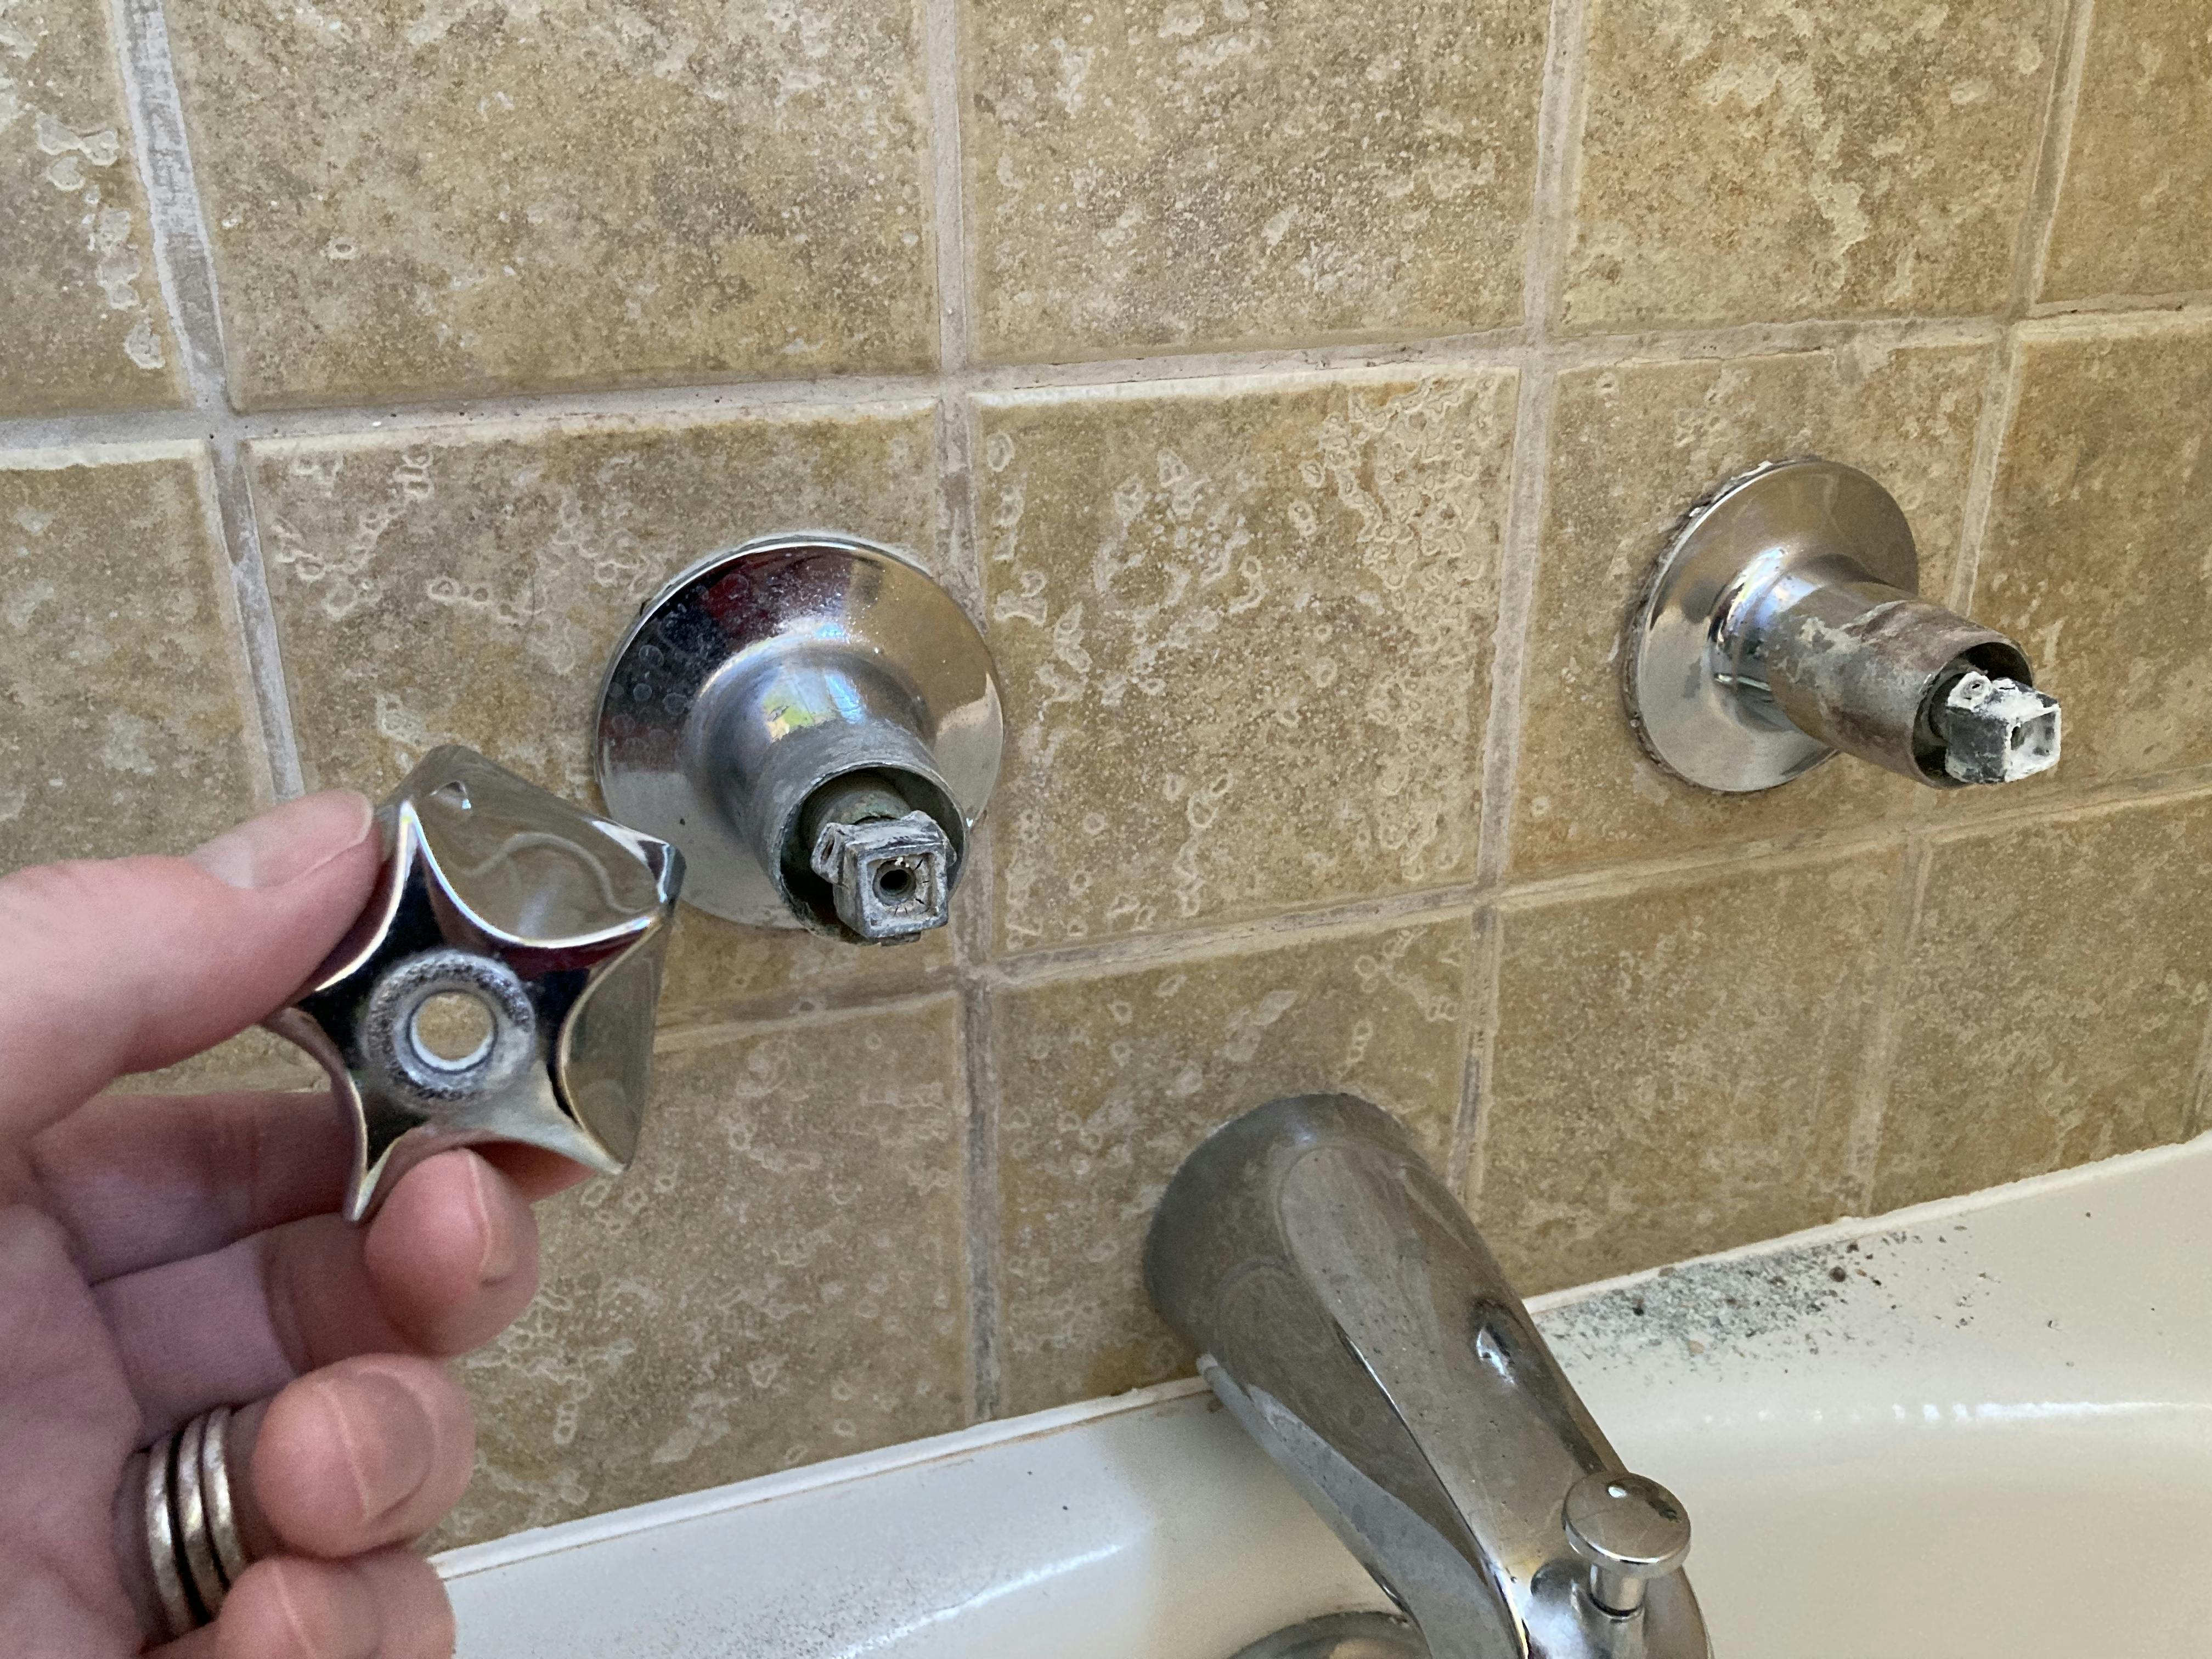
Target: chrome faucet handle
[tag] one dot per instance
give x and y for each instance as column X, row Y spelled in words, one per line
column 500, row 984
column 1783, row 624
column 817, row 724
column 1630, row 1531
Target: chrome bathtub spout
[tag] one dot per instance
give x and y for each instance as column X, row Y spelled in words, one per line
column 1351, row 1318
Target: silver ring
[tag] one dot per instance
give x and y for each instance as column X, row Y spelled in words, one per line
column 161, row 1541
column 192, row 1523
column 192, row 1518
column 230, row 1556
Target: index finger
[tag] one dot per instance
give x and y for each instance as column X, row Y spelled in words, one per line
column 129, row 964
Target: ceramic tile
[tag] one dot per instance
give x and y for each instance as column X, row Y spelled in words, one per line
column 82, row 324
column 1149, row 177
column 1107, row 1080
column 1245, row 637
column 456, row 197
column 467, row 583
column 779, row 1278
column 2099, row 554
column 125, row 722
column 1632, row 448
column 2131, row 217
column 1751, row 160
column 2053, row 1003
column 1676, row 1067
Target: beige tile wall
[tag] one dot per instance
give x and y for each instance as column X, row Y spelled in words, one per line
column 1296, row 396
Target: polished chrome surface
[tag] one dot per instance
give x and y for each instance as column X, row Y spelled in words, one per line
column 1351, row 1318
column 767, row 676
column 549, row 921
column 1783, row 624
column 1629, row 1530
column 1342, row 1636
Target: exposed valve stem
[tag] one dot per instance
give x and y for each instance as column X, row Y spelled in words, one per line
column 1995, row 730
column 888, row 864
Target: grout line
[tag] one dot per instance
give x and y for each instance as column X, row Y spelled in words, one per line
column 1870, row 1106
column 257, row 618
column 956, row 485
column 2137, row 324
column 184, row 266
column 986, row 1339
column 184, row 263
column 1469, row 1151
column 2199, row 1117
column 244, row 689
column 1520, row 556
column 973, row 916
column 941, row 53
column 2104, row 796
column 1559, row 163
column 1999, row 400
column 1507, row 348
column 2031, row 257
column 713, row 1033
column 1134, row 952
column 962, row 571
column 2121, row 304
column 1992, row 428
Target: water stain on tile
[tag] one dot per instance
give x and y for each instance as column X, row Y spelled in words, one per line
column 1746, row 161
column 1219, row 173
column 779, row 1278
column 82, row 324
column 1245, row 638
column 1107, row 1080
column 1676, row 1067
column 466, row 196
column 2131, row 213
column 2053, row 1000
column 126, row 724
column 718, row 970
column 2099, row 554
column 1632, row 448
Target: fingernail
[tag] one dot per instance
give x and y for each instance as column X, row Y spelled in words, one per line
column 289, row 841
column 501, row 1255
column 389, row 1440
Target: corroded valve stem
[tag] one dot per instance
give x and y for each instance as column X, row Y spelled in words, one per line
column 889, row 865
column 1996, row 731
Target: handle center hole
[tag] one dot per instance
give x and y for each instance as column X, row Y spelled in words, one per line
column 451, row 1030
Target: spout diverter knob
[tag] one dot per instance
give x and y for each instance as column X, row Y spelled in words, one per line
column 1630, row 1531
column 501, row 984
column 1784, row 624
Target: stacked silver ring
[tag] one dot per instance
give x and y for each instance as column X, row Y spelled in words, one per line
column 192, row 1526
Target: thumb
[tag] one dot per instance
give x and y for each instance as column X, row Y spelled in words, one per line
column 126, row 965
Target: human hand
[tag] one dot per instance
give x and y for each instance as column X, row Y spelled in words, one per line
column 160, row 1256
